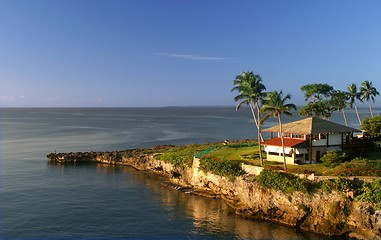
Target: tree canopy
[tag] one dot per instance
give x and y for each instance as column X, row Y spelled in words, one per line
column 275, row 105
column 250, row 92
column 368, row 93
column 322, row 100
column 372, row 129
column 317, row 91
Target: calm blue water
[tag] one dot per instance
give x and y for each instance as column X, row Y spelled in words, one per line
column 45, row 201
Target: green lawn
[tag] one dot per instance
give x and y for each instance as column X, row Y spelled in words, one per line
column 246, row 151
column 250, row 155
column 228, row 153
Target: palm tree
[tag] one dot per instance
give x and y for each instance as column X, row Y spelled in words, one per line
column 275, row 105
column 340, row 102
column 251, row 92
column 353, row 95
column 368, row 92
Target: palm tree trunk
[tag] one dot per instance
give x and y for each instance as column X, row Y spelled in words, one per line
column 259, row 120
column 345, row 117
column 357, row 113
column 253, row 113
column 259, row 136
column 258, row 130
column 370, row 108
column 282, row 140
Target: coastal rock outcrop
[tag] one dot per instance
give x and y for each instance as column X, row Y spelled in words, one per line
column 320, row 212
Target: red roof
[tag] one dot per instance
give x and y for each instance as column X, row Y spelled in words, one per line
column 288, row 142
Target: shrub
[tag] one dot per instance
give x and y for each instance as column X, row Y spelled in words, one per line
column 300, row 171
column 333, row 158
column 352, row 153
column 340, row 185
column 225, row 168
column 284, row 181
column 372, row 128
column 360, row 167
column 371, row 192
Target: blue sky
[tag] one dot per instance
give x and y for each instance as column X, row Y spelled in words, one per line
column 121, row 53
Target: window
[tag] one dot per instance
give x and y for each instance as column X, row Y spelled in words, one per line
column 296, row 135
column 273, row 153
column 287, row 155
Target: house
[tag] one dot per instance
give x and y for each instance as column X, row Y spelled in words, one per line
column 306, row 140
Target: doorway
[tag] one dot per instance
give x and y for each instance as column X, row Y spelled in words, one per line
column 318, row 156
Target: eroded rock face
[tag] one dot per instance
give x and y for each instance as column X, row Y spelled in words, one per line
column 329, row 214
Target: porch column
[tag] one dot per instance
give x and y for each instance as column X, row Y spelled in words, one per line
column 310, row 150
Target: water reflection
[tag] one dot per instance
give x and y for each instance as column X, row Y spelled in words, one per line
column 215, row 217
column 210, row 217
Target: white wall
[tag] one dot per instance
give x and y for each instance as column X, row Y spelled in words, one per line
column 335, row 139
column 320, row 142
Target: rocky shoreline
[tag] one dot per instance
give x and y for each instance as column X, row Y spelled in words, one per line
column 330, row 214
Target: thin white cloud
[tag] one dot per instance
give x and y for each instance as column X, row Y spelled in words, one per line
column 193, row 57
column 7, row 98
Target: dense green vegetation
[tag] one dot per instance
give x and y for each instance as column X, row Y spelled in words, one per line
column 340, row 185
column 288, row 183
column 360, row 167
column 372, row 129
column 284, row 182
column 333, row 158
column 220, row 167
column 322, row 99
column 371, row 192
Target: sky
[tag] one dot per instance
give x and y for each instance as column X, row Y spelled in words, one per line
column 154, row 53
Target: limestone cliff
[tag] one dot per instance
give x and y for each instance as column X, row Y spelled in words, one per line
column 329, row 214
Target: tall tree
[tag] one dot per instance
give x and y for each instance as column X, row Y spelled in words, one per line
column 251, row 92
column 368, row 93
column 354, row 95
column 319, row 97
column 340, row 102
column 317, row 91
column 275, row 105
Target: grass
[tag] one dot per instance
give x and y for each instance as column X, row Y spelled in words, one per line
column 250, row 155
column 317, row 168
column 183, row 155
column 228, row 153
column 247, row 152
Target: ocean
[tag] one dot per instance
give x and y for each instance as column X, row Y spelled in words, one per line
column 39, row 200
